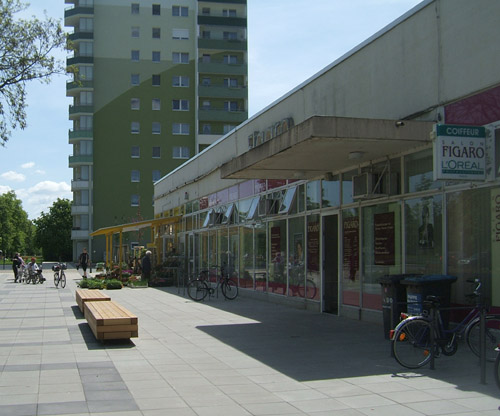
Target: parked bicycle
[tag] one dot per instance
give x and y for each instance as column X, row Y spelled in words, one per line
column 199, row 288
column 59, row 276
column 296, row 283
column 412, row 342
column 496, row 367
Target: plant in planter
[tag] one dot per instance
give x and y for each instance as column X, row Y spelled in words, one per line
column 113, row 284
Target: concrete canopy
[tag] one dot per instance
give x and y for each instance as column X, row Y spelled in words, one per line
column 324, row 144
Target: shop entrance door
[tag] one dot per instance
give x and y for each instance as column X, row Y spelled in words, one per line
column 331, row 264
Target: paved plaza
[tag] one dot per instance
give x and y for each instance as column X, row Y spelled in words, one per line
column 215, row 358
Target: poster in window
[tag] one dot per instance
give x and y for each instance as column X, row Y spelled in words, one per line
column 351, row 248
column 313, row 246
column 384, row 232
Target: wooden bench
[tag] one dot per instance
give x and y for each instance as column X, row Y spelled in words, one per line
column 110, row 320
column 89, row 295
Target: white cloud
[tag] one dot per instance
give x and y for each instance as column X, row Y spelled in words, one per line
column 40, row 172
column 4, row 189
column 13, row 176
column 50, row 187
column 28, row 165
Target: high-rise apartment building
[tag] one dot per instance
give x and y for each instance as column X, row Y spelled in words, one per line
column 155, row 82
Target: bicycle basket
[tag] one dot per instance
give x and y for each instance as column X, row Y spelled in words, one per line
column 55, row 268
column 64, row 267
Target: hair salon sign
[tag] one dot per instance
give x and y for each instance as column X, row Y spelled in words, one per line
column 459, row 152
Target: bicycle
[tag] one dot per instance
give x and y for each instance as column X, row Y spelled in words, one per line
column 198, row 288
column 296, row 283
column 34, row 276
column 59, row 275
column 412, row 343
column 496, row 367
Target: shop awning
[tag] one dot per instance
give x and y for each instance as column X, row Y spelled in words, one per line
column 135, row 226
column 324, row 144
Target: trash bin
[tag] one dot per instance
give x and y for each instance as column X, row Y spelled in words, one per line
column 419, row 287
column 393, row 299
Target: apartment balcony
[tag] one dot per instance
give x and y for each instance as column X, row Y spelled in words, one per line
column 72, row 15
column 222, row 21
column 79, row 209
column 79, row 234
column 221, row 91
column 76, row 135
column 75, row 37
column 222, row 44
column 222, row 68
column 219, row 1
column 73, row 88
column 232, row 117
column 79, row 59
column 79, row 110
column 78, row 185
column 80, row 160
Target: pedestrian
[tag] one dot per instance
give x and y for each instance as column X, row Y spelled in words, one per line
column 146, row 266
column 84, row 262
column 17, row 262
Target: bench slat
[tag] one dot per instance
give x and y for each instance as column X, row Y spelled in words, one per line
column 110, row 320
column 89, row 295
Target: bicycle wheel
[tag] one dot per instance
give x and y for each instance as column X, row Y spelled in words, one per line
column 411, row 344
column 197, row 290
column 63, row 280
column 229, row 289
column 496, row 372
column 492, row 330
column 309, row 291
column 56, row 279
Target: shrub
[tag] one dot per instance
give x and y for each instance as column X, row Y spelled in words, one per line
column 83, row 283
column 113, row 284
column 95, row 284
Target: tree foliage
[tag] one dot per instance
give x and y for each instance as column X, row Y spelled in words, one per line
column 53, row 231
column 26, row 47
column 16, row 230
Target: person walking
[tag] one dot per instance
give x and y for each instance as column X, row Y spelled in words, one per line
column 17, row 261
column 84, row 262
column 146, row 266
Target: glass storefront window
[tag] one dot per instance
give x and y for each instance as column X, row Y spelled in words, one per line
column 347, row 186
column 313, row 276
column 260, row 237
column 471, row 253
column 277, row 256
column 246, row 257
column 351, row 282
column 296, row 264
column 419, row 172
column 423, row 219
column 381, row 249
column 330, row 192
column 313, row 195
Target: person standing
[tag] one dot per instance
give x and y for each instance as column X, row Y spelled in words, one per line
column 84, row 261
column 146, row 266
column 17, row 261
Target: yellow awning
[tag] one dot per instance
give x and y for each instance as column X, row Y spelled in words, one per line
column 135, row 226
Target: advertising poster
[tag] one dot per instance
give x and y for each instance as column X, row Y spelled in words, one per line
column 351, row 247
column 384, row 235
column 313, row 246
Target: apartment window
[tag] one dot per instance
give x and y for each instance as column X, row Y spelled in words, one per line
column 205, row 11
column 135, row 127
column 86, row 122
column 180, row 57
column 134, row 79
column 180, row 11
column 206, row 81
column 205, row 34
column 180, row 81
column 134, row 200
column 229, row 13
column 206, row 129
column 155, row 79
column 135, row 31
column 86, row 49
column 205, row 105
column 135, row 104
column 228, row 127
column 230, row 82
column 156, row 152
column 86, row 73
column 180, row 128
column 230, row 35
column 205, row 58
column 156, row 127
column 156, row 56
column 180, row 105
column 180, row 152
column 134, row 55
column 230, row 105
column 230, row 59
column 134, row 8
column 135, row 152
column 156, row 9
column 156, row 104
column 135, row 176
column 86, row 24
column 86, row 98
column 156, row 33
column 180, row 34
column 86, row 147
column 156, row 175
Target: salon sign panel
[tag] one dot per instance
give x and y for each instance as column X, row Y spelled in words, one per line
column 459, row 152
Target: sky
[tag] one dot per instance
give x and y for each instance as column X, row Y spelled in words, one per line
column 289, row 41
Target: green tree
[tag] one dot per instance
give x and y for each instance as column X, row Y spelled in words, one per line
column 15, row 228
column 53, row 231
column 26, row 47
